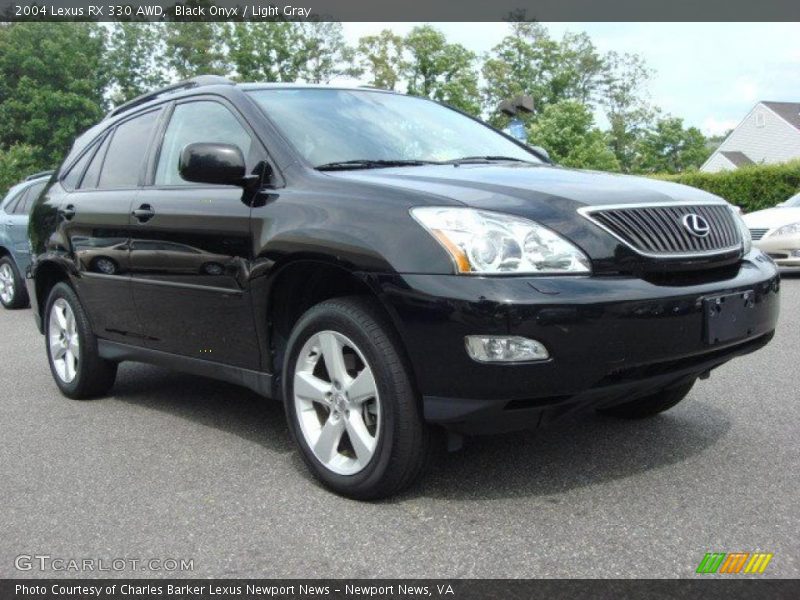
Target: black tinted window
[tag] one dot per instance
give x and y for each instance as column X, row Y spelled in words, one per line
column 145, row 245
column 126, row 154
column 93, row 172
column 73, row 176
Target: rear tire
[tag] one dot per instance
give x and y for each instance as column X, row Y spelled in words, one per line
column 77, row 368
column 651, row 405
column 361, row 440
column 13, row 294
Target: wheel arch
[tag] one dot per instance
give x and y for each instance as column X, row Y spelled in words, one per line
column 46, row 275
column 304, row 281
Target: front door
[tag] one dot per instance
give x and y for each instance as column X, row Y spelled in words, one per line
column 191, row 246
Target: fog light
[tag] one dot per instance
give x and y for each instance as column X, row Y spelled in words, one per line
column 501, row 348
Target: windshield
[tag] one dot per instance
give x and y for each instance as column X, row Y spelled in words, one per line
column 329, row 126
column 793, row 202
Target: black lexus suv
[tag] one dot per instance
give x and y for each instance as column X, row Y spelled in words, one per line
column 382, row 264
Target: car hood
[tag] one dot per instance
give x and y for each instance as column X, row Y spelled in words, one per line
column 772, row 217
column 546, row 194
column 524, row 188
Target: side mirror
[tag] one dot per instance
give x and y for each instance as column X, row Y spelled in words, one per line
column 220, row 164
column 542, row 152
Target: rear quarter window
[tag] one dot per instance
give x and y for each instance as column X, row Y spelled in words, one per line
column 73, row 177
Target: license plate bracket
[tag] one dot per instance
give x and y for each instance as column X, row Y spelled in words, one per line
column 729, row 317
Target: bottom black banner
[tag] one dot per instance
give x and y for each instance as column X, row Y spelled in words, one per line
column 411, row 589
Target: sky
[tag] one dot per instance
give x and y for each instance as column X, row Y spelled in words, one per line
column 710, row 74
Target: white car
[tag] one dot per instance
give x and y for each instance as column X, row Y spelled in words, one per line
column 776, row 231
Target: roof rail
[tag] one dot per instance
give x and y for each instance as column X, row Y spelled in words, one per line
column 199, row 81
column 38, row 175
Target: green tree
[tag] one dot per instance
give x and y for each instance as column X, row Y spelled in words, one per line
column 15, row 163
column 566, row 130
column 195, row 48
column 324, row 51
column 440, row 70
column 669, row 148
column 271, row 51
column 627, row 109
column 515, row 66
column 380, row 57
column 52, row 84
column 581, row 69
column 135, row 59
column 528, row 61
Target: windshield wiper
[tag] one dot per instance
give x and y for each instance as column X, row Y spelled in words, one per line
column 372, row 164
column 485, row 159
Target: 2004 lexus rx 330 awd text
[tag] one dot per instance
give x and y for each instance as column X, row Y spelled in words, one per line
column 383, row 264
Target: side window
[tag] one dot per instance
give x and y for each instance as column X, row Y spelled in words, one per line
column 127, row 151
column 24, row 206
column 201, row 121
column 92, row 174
column 73, row 176
column 9, row 206
column 15, row 204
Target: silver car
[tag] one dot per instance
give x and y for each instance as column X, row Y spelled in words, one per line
column 776, row 231
column 14, row 250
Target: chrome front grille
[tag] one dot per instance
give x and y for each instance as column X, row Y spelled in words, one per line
column 658, row 230
column 757, row 234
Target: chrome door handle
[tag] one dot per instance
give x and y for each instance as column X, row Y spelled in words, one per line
column 67, row 212
column 144, row 213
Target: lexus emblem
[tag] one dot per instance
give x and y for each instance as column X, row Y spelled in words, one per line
column 696, row 225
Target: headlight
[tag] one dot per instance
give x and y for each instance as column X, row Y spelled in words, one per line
column 792, row 229
column 747, row 239
column 494, row 243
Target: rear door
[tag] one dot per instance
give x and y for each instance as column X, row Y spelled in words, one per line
column 13, row 217
column 18, row 221
column 192, row 246
column 10, row 219
column 96, row 220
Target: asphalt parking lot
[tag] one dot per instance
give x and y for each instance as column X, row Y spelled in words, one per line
column 172, row 466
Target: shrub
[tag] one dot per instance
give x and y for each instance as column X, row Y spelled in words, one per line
column 752, row 188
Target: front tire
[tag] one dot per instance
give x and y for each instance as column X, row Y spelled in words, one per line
column 350, row 401
column 651, row 405
column 12, row 288
column 77, row 368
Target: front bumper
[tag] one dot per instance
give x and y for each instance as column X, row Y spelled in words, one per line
column 783, row 249
column 610, row 339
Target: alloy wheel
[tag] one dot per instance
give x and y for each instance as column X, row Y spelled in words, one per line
column 106, row 266
column 64, row 340
column 6, row 283
column 337, row 402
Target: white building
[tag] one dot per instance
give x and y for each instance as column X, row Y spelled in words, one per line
column 769, row 134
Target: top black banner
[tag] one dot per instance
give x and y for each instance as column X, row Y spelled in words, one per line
column 406, row 10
